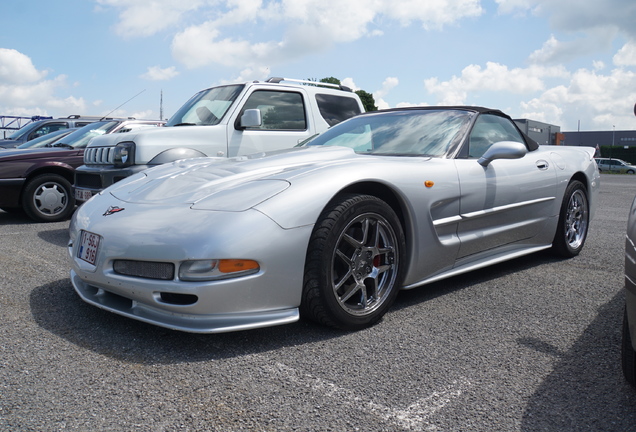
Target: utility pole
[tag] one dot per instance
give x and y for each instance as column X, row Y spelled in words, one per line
column 161, row 106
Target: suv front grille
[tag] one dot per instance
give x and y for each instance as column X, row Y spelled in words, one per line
column 98, row 156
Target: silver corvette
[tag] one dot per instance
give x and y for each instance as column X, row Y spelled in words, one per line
column 332, row 229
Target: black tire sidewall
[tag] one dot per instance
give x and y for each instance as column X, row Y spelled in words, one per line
column 33, row 185
column 560, row 244
column 628, row 356
column 342, row 212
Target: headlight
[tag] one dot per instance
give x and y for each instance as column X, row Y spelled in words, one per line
column 124, row 154
column 206, row 270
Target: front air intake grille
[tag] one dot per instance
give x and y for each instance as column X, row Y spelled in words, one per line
column 92, row 181
column 98, row 156
column 144, row 269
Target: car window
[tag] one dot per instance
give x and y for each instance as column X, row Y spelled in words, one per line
column 206, row 107
column 334, row 108
column 81, row 137
column 47, row 128
column 280, row 110
column 49, row 138
column 488, row 130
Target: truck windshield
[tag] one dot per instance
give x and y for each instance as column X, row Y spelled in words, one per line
column 206, row 107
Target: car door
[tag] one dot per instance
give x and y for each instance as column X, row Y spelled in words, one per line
column 509, row 200
column 284, row 123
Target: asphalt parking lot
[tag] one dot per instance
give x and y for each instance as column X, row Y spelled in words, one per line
column 528, row 345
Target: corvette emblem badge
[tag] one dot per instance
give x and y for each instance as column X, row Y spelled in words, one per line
column 113, row 209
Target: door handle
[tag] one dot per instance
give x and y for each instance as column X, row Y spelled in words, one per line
column 543, row 165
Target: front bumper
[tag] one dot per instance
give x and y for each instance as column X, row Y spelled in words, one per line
column 173, row 235
column 91, row 180
column 217, row 323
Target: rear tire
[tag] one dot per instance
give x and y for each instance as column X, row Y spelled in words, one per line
column 354, row 263
column 573, row 221
column 628, row 356
column 48, row 198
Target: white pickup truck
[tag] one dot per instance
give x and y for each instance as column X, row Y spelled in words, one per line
column 224, row 121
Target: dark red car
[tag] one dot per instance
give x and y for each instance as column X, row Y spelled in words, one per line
column 38, row 180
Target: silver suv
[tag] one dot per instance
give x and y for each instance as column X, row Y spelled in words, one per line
column 615, row 166
column 40, row 128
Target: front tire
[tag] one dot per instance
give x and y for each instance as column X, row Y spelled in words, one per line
column 48, row 198
column 628, row 356
column 573, row 221
column 354, row 263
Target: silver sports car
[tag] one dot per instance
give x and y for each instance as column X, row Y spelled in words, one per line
column 332, row 229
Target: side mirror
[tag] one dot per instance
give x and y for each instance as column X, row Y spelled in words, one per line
column 503, row 150
column 251, row 118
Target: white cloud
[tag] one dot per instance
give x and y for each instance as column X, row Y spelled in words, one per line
column 145, row 18
column 250, row 74
column 599, row 101
column 579, row 16
column 626, row 56
column 24, row 91
column 307, row 27
column 387, row 85
column 555, row 51
column 17, row 68
column 156, row 73
column 495, row 77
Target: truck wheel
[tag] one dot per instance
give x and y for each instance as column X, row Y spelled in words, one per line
column 48, row 198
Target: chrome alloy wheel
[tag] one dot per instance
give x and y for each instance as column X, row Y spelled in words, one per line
column 364, row 264
column 576, row 219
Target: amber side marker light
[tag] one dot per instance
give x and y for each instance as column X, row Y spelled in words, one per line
column 237, row 265
column 429, row 183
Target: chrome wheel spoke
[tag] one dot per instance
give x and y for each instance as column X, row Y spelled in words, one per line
column 363, row 265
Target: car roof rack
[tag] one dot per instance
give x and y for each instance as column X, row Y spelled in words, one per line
column 277, row 80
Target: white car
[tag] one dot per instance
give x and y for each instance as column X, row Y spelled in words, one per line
column 615, row 166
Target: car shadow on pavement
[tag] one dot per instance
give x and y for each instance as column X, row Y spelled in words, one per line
column 57, row 237
column 457, row 283
column 14, row 218
column 586, row 390
column 58, row 309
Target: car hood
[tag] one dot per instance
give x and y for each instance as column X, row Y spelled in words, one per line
column 9, row 143
column 250, row 179
column 30, row 154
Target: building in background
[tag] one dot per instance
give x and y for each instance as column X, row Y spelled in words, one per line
column 548, row 134
column 619, row 138
column 542, row 133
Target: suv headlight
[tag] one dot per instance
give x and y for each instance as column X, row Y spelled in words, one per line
column 124, row 154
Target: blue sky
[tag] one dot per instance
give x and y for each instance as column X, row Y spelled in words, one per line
column 564, row 62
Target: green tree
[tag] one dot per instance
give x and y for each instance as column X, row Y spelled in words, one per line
column 367, row 98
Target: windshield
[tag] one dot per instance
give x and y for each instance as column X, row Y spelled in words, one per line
column 399, row 133
column 81, row 137
column 46, row 139
column 25, row 130
column 206, row 107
